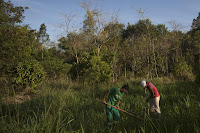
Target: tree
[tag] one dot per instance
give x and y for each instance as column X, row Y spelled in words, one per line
column 29, row 73
column 55, row 67
column 92, row 26
column 140, row 39
column 14, row 40
column 196, row 43
column 10, row 14
column 196, row 23
column 17, row 43
column 73, row 46
column 96, row 70
column 182, row 70
column 110, row 51
column 42, row 37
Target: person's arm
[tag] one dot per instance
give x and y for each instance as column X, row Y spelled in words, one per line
column 145, row 88
column 105, row 94
column 151, row 94
column 118, row 102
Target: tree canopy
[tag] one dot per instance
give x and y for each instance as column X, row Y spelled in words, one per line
column 99, row 52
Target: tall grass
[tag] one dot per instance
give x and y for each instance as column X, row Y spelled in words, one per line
column 61, row 107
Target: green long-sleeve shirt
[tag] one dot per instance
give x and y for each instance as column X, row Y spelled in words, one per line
column 114, row 96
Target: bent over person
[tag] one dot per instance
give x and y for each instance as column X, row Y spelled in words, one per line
column 154, row 97
column 114, row 96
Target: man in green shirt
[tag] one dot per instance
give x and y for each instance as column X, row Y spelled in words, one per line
column 115, row 94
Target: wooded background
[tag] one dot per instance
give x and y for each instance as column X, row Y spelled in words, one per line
column 100, row 51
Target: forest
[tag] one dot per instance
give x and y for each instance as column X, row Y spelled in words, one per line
column 99, row 55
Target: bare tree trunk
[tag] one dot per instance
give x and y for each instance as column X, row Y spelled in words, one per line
column 125, row 70
column 148, row 61
column 155, row 63
column 199, row 68
column 113, row 77
column 42, row 52
column 77, row 62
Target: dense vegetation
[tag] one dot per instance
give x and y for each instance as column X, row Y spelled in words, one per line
column 73, row 108
column 99, row 51
column 88, row 60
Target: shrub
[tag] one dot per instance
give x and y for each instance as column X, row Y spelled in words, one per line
column 97, row 70
column 29, row 73
column 183, row 71
column 56, row 67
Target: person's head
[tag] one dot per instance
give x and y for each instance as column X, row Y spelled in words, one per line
column 143, row 83
column 125, row 88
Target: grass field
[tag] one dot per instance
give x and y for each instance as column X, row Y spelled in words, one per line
column 60, row 107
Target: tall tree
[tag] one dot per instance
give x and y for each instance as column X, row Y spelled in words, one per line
column 196, row 43
column 42, row 37
column 111, row 43
column 10, row 14
column 196, row 23
column 15, row 41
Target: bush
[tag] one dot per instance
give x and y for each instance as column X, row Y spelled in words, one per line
column 183, row 71
column 56, row 67
column 29, row 73
column 97, row 70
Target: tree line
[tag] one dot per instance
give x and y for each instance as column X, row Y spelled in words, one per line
column 97, row 52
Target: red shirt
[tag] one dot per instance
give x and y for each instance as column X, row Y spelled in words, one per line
column 155, row 91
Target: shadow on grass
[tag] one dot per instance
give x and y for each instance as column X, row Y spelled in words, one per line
column 32, row 108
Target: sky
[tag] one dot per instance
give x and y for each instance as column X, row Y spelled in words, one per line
column 54, row 13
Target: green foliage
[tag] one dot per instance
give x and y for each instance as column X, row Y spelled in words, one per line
column 195, row 23
column 196, row 42
column 42, row 35
column 89, row 24
column 29, row 73
column 56, row 67
column 144, row 27
column 140, row 49
column 97, row 70
column 52, row 63
column 72, row 110
column 10, row 14
column 183, row 71
column 17, row 44
column 161, row 29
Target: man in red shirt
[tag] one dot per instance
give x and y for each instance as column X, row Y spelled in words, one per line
column 154, row 97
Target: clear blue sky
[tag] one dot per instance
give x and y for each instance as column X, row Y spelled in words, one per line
column 51, row 12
